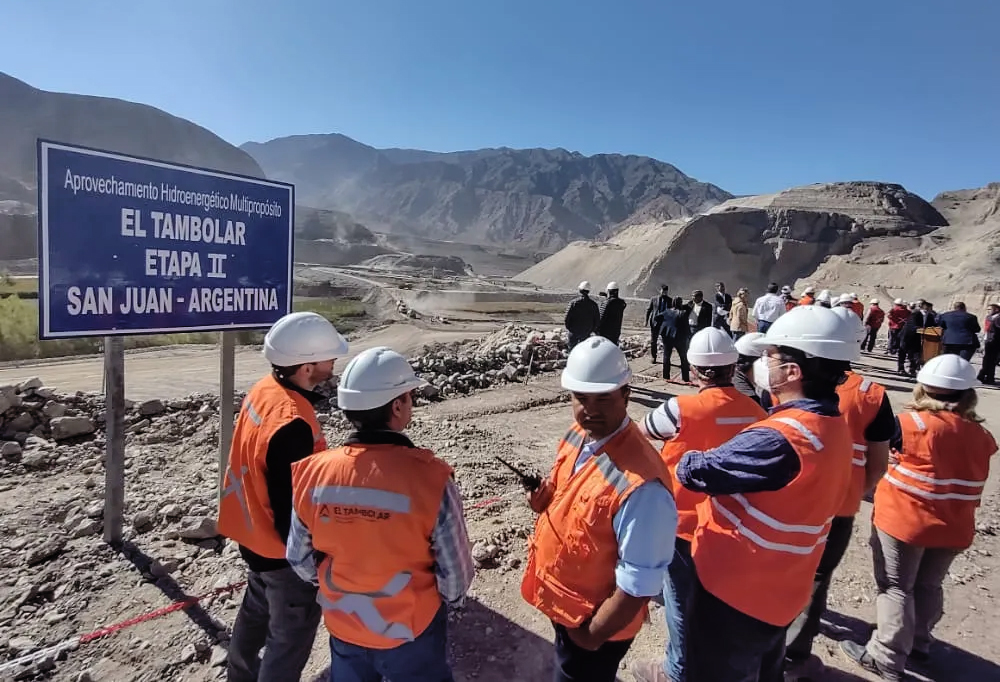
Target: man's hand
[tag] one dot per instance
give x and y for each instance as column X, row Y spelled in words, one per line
column 540, row 498
column 583, row 638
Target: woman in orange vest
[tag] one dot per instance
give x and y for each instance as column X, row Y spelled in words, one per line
column 276, row 426
column 693, row 422
column 383, row 518
column 605, row 530
column 925, row 513
column 773, row 490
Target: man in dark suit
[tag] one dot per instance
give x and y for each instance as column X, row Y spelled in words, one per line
column 702, row 313
column 723, row 304
column 612, row 314
column 654, row 316
column 960, row 330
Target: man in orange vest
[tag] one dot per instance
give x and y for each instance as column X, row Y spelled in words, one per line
column 605, row 531
column 773, row 491
column 378, row 526
column 693, row 422
column 868, row 413
column 276, row 426
column 808, row 296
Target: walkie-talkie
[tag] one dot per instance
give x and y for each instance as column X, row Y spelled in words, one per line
column 530, row 482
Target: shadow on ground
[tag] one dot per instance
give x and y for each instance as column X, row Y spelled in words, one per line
column 648, row 397
column 947, row 662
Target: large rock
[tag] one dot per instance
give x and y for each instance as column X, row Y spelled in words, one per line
column 71, row 427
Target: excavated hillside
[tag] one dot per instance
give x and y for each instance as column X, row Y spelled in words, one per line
column 747, row 241
column 960, row 261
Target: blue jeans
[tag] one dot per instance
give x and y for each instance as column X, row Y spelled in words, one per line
column 425, row 659
column 762, row 326
column 676, row 595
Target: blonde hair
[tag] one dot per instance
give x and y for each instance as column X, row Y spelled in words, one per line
column 964, row 407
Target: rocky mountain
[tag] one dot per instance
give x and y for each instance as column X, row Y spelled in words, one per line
column 747, row 241
column 539, row 197
column 27, row 113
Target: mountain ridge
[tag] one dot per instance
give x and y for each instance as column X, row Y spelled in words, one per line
column 541, row 197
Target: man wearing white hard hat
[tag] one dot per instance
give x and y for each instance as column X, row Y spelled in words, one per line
column 583, row 316
column 743, row 378
column 808, row 296
column 773, row 490
column 873, row 323
column 612, row 315
column 897, row 316
column 378, row 526
column 925, row 514
column 605, row 531
column 701, row 421
column 276, row 427
column 824, row 299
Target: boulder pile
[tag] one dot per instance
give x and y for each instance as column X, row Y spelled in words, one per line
column 508, row 355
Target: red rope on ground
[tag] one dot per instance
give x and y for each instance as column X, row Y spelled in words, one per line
column 176, row 606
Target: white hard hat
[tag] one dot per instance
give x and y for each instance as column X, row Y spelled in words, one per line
column 375, row 377
column 810, row 290
column 584, row 286
column 815, row 330
column 786, row 289
column 948, row 372
column 712, row 347
column 745, row 345
column 853, row 296
column 595, row 365
column 899, row 301
column 300, row 338
column 843, row 298
column 848, row 316
column 612, row 286
column 824, row 296
column 874, row 301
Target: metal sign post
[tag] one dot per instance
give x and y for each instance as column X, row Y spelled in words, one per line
column 114, row 422
column 138, row 246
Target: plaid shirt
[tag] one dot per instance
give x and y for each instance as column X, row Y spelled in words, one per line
column 453, row 563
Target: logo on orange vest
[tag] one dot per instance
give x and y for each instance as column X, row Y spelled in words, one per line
column 347, row 514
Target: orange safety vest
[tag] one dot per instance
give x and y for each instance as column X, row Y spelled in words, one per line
column 573, row 552
column 860, row 401
column 758, row 552
column 708, row 419
column 929, row 498
column 245, row 514
column 807, row 299
column 371, row 510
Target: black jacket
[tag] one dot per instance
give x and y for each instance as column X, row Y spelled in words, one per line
column 705, row 315
column 725, row 301
column 582, row 316
column 960, row 328
column 289, row 444
column 612, row 314
column 652, row 311
column 911, row 339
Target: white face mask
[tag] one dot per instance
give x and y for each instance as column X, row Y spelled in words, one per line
column 762, row 374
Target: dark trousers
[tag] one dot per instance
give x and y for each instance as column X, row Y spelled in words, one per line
column 763, row 326
column 869, row 341
column 726, row 645
column 654, row 336
column 280, row 615
column 681, row 345
column 425, row 659
column 723, row 324
column 963, row 351
column 574, row 664
column 904, row 356
column 804, row 629
column 895, row 338
column 574, row 339
column 991, row 353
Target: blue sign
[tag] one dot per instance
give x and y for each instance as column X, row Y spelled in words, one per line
column 135, row 246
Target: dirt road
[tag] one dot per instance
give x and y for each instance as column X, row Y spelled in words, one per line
column 181, row 370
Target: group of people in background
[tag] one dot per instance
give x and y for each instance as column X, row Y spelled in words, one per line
column 736, row 522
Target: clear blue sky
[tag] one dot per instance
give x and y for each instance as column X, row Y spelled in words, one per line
column 753, row 96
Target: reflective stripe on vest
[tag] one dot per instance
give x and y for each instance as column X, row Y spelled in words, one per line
column 798, row 426
column 937, row 485
column 862, row 459
column 818, row 533
column 362, row 604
